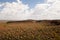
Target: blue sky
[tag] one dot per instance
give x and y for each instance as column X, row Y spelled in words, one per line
column 31, row 3
column 38, row 9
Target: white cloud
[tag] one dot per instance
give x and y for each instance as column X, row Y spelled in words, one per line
column 39, row 11
column 14, row 11
column 18, row 1
column 54, row 10
column 19, row 11
column 47, row 11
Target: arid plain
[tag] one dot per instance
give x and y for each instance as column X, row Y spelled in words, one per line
column 30, row 30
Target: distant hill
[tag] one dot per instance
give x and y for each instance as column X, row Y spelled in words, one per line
column 54, row 22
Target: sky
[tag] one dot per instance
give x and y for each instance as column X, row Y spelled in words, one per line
column 29, row 9
column 31, row 3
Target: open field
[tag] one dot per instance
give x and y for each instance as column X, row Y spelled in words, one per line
column 30, row 30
